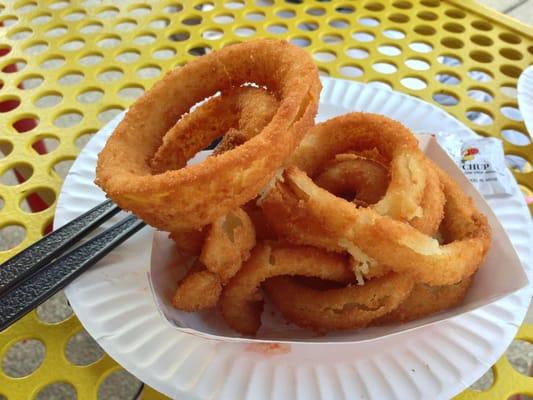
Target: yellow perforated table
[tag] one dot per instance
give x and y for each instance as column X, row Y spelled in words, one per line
column 67, row 67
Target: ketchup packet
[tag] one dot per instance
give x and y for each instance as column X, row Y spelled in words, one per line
column 482, row 160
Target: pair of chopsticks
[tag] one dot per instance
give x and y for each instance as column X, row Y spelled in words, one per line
column 41, row 270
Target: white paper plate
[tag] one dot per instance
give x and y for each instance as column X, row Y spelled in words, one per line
column 114, row 304
column 525, row 97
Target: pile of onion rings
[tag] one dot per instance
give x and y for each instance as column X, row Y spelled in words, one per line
column 341, row 225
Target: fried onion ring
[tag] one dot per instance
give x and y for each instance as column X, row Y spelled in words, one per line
column 363, row 131
column 198, row 290
column 226, row 244
column 425, row 300
column 263, row 227
column 194, row 196
column 335, row 309
column 367, row 177
column 414, row 193
column 432, row 204
column 241, row 301
column 308, row 214
column 363, row 180
column 240, row 113
column 354, row 178
column 189, row 241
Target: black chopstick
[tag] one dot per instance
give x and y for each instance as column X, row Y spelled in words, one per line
column 30, row 260
column 52, row 277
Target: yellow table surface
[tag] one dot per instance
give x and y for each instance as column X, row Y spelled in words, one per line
column 66, row 67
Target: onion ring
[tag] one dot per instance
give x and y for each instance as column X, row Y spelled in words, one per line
column 368, row 177
column 240, row 112
column 248, row 108
column 425, row 300
column 194, row 196
column 189, row 241
column 414, row 193
column 432, row 205
column 354, row 178
column 241, row 301
column 312, row 215
column 335, row 309
column 263, row 227
column 363, row 131
column 228, row 243
column 225, row 246
column 198, row 290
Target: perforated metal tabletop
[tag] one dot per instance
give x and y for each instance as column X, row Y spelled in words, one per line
column 68, row 67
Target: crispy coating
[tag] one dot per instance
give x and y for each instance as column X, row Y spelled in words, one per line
column 353, row 177
column 410, row 191
column 349, row 307
column 372, row 154
column 241, row 301
column 256, row 111
column 239, row 114
column 425, row 300
column 189, row 241
column 349, row 175
column 368, row 178
column 263, row 228
column 308, row 214
column 228, row 243
column 366, row 132
column 198, row 290
column 432, row 204
column 363, row 181
column 233, row 138
column 222, row 248
column 194, row 196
